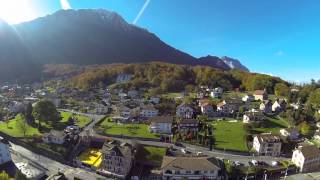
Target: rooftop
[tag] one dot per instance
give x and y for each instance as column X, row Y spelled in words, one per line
column 190, row 163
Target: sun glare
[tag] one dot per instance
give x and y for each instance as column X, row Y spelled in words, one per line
column 16, row 11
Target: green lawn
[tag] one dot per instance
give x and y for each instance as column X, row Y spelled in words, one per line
column 272, row 125
column 152, row 154
column 81, row 120
column 133, row 130
column 13, row 128
column 172, row 95
column 230, row 135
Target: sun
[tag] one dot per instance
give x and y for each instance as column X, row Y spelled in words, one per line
column 16, row 11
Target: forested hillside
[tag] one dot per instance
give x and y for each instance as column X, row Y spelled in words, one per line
column 171, row 77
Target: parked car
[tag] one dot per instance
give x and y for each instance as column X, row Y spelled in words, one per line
column 237, row 163
column 253, row 162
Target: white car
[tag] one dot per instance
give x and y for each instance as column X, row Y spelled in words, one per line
column 254, row 162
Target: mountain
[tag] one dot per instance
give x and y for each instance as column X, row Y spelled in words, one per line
column 89, row 37
column 214, row 61
column 15, row 60
column 234, row 63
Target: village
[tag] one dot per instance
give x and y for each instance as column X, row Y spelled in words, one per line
column 120, row 133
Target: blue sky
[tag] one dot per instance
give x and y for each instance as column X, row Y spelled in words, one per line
column 278, row 37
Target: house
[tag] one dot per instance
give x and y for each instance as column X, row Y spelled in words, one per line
column 201, row 94
column 266, row 106
column 133, row 94
column 185, row 125
column 5, row 155
column 161, row 124
column 260, row 95
column 248, row 98
column 124, row 111
column 229, row 106
column 253, row 116
column 195, row 168
column 216, row 92
column 290, row 133
column 316, row 135
column 267, row 144
column 148, row 111
column 16, row 107
column 154, row 100
column 117, row 159
column 306, row 158
column 184, row 111
column 206, row 109
column 101, row 109
column 123, row 78
column 279, row 105
column 54, row 137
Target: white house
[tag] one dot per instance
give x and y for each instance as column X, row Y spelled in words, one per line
column 216, row 92
column 161, row 124
column 260, row 95
column 195, row 168
column 253, row 116
column 148, row 111
column 248, row 98
column 266, row 106
column 229, row 106
column 184, row 111
column 267, row 144
column 123, row 78
column 155, row 100
column 306, row 158
column 5, row 155
column 290, row 133
column 54, row 137
column 279, row 105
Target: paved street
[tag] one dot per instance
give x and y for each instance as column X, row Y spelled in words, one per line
column 21, row 154
column 216, row 153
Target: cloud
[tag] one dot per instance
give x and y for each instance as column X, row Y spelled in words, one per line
column 145, row 5
column 279, row 53
column 65, row 4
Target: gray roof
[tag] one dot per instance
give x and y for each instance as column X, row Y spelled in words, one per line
column 162, row 119
column 309, row 151
column 190, row 163
column 122, row 150
column 188, row 121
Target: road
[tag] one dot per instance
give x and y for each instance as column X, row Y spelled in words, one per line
column 21, row 154
column 95, row 119
column 216, row 153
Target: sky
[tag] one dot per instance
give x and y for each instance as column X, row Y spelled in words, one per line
column 276, row 37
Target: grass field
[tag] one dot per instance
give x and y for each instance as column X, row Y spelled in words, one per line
column 92, row 157
column 230, row 136
column 81, row 120
column 272, row 125
column 152, row 154
column 133, row 130
column 13, row 128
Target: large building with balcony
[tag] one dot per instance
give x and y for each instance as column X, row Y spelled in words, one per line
column 266, row 144
column 193, row 168
column 306, row 158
